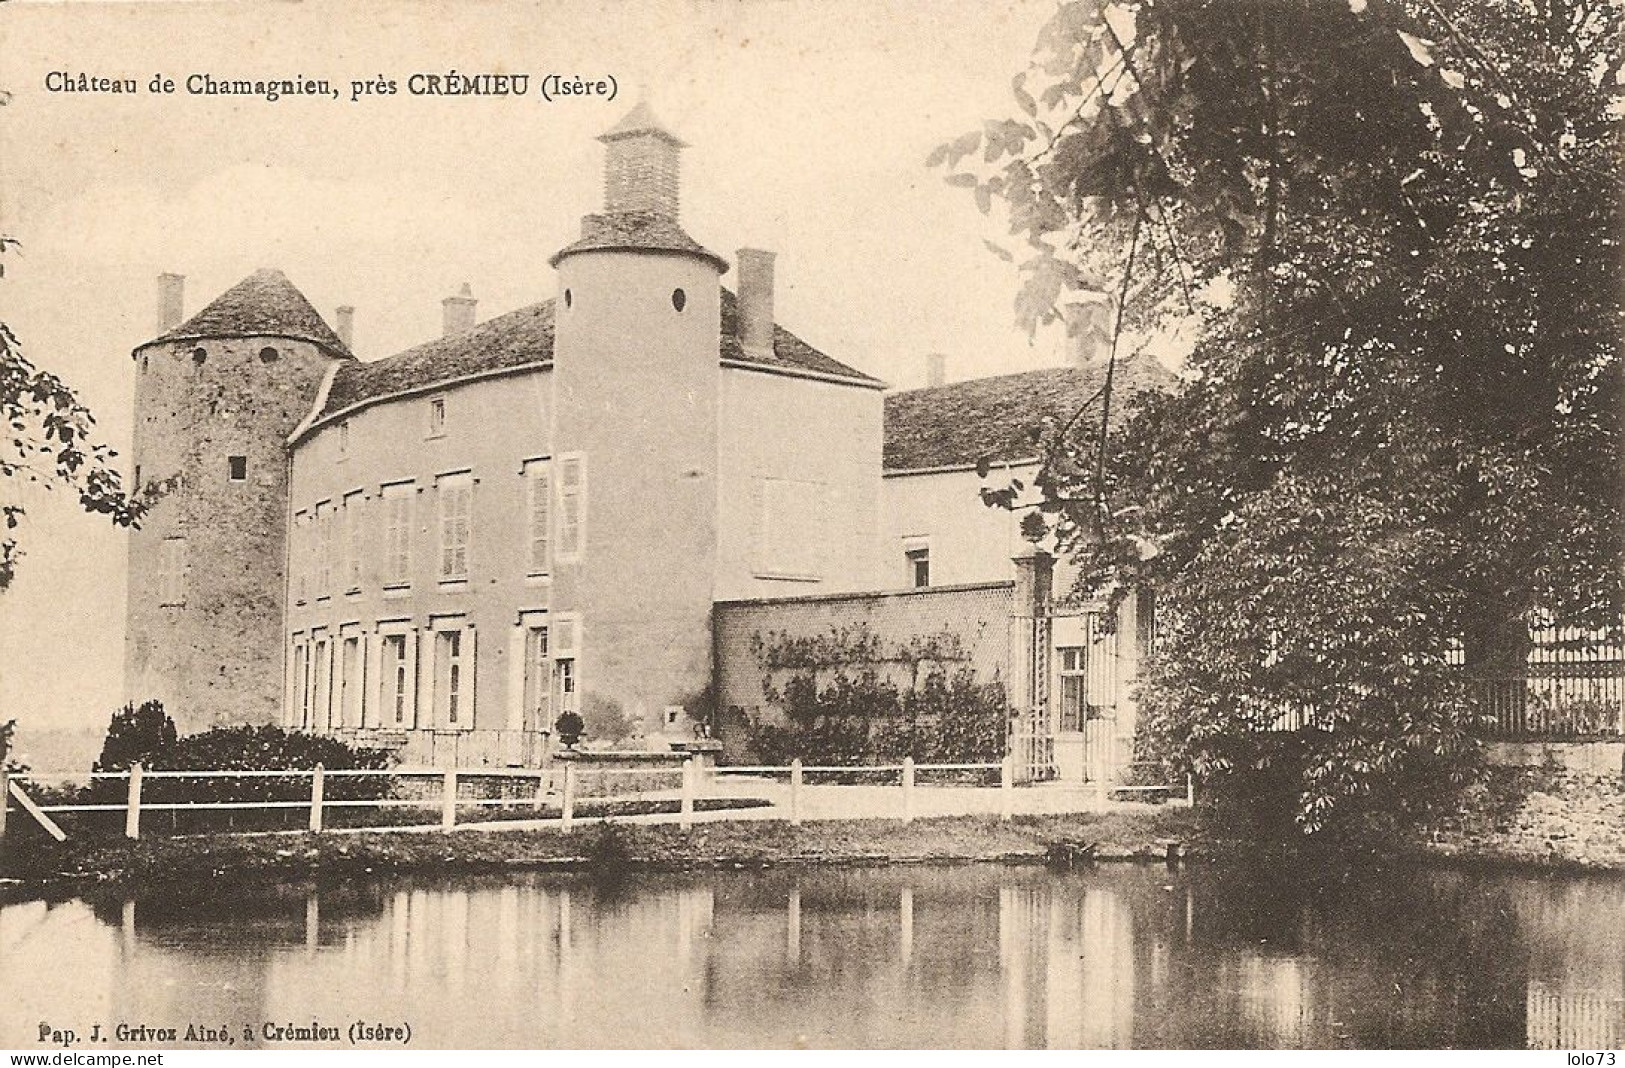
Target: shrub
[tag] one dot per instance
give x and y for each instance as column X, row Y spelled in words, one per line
column 865, row 718
column 137, row 734
column 257, row 748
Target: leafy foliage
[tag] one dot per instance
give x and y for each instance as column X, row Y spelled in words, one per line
column 146, row 735
column 857, row 717
column 1395, row 226
column 137, row 735
column 8, row 732
column 48, row 443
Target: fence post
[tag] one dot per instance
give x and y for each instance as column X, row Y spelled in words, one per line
column 908, row 789
column 318, row 787
column 685, row 809
column 448, row 801
column 5, row 799
column 132, row 809
column 795, row 792
column 567, row 810
column 1007, row 786
column 1190, row 790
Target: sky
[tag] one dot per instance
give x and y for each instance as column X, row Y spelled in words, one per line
column 808, row 123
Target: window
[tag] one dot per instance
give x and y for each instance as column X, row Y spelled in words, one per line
column 237, row 468
column 1074, row 687
column 353, row 549
column 565, row 635
column 398, row 534
column 344, row 439
column 327, row 550
column 268, row 355
column 172, row 572
column 395, row 680
column 199, row 356
column 788, row 528
column 919, row 567
column 538, row 490
column 351, row 681
column 679, row 299
column 538, row 696
column 453, row 678
column 572, row 506
column 437, row 417
column 456, row 496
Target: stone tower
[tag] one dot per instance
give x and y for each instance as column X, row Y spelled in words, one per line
column 216, row 397
column 636, row 380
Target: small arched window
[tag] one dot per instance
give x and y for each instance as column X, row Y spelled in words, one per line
column 567, row 300
column 199, row 354
column 269, row 355
column 678, row 299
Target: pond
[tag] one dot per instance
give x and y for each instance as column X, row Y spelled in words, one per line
column 907, row 956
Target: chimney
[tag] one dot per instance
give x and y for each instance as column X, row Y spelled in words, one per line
column 171, row 301
column 1088, row 318
column 936, row 370
column 344, row 325
column 459, row 311
column 756, row 301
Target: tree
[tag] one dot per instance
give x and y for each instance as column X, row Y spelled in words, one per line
column 49, row 444
column 137, row 734
column 1395, row 223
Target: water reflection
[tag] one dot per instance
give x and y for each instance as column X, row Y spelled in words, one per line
column 961, row 957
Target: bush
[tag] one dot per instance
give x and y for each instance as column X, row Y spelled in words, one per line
column 864, row 718
column 137, row 734
column 261, row 748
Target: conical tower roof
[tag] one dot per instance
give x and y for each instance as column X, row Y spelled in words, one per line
column 265, row 304
column 640, row 120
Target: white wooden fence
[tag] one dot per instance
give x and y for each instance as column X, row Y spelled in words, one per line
column 566, row 785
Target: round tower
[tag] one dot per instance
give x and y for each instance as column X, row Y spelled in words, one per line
column 216, row 397
column 636, row 376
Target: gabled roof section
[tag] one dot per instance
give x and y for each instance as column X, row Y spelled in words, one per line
column 636, row 231
column 1004, row 418
column 516, row 339
column 790, row 353
column 265, row 304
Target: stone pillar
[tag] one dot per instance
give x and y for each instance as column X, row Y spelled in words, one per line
column 1029, row 650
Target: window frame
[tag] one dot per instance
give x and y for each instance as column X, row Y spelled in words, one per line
column 435, row 426
column 448, row 488
column 397, row 540
column 538, row 476
column 570, row 541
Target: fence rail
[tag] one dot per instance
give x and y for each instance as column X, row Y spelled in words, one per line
column 566, row 786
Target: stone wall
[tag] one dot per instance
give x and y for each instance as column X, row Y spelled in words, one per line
column 1548, row 815
column 759, row 642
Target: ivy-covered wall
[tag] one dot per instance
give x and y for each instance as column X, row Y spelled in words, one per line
column 911, row 651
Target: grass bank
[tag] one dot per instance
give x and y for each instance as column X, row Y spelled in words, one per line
column 78, row 865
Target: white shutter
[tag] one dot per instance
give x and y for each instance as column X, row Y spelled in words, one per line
column 417, row 680
column 516, row 677
column 372, row 696
column 471, row 672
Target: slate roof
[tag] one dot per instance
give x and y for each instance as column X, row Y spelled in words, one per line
column 641, row 231
column 519, row 337
column 525, row 337
column 995, row 419
column 641, row 119
column 789, row 351
column 265, row 304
